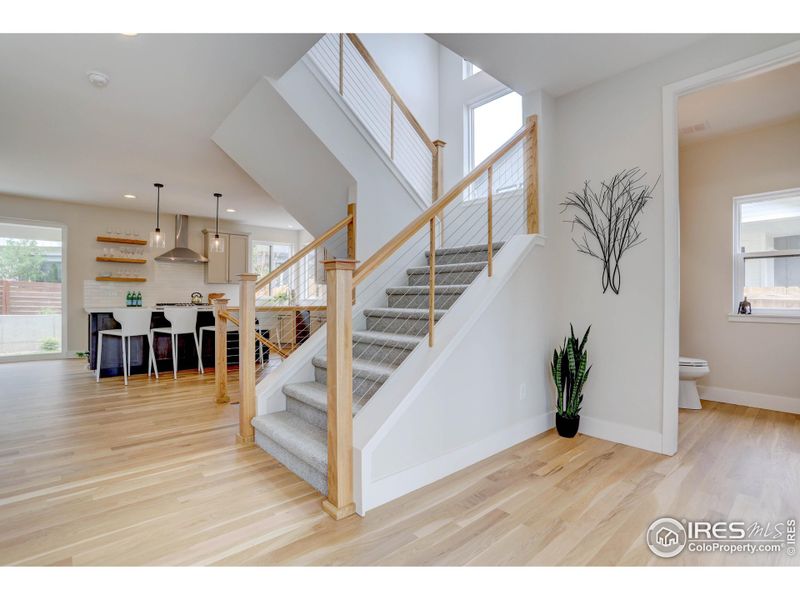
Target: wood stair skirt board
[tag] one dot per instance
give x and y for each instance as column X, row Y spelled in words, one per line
column 297, row 436
column 753, row 399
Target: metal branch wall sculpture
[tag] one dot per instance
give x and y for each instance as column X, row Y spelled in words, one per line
column 610, row 220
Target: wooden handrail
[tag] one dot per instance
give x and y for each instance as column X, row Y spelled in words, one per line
column 390, row 247
column 228, row 316
column 362, row 50
column 261, row 283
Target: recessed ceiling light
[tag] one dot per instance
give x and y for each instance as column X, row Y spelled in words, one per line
column 131, row 196
column 129, row 34
column 290, row 226
column 230, row 210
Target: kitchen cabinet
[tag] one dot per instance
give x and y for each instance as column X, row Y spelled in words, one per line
column 225, row 267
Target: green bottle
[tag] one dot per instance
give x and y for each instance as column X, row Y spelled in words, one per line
column 139, row 299
column 128, row 298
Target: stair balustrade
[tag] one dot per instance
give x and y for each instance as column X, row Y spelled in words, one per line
column 350, row 69
column 494, row 202
column 290, row 302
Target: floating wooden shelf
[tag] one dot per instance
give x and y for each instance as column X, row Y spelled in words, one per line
column 115, row 240
column 136, row 261
column 134, row 279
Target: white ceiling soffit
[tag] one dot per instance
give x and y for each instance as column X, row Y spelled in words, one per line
column 756, row 101
column 559, row 63
column 64, row 138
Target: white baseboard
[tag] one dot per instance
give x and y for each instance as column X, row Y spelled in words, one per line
column 621, row 434
column 396, row 485
column 752, row 399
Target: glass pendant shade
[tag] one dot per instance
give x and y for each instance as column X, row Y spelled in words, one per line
column 157, row 239
column 218, row 243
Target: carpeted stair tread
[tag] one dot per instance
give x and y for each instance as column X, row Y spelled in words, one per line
column 451, row 268
column 310, row 392
column 403, row 313
column 300, row 438
column 395, row 340
column 424, row 289
column 365, row 369
column 465, row 249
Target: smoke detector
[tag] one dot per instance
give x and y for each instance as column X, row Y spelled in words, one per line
column 98, row 79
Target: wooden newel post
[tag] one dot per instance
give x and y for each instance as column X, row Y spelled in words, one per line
column 247, row 360
column 221, row 350
column 532, row 175
column 339, row 276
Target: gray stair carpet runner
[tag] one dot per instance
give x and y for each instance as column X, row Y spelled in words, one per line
column 297, row 437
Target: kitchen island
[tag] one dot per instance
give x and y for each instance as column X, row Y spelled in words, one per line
column 102, row 318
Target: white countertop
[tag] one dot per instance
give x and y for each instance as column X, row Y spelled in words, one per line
column 108, row 309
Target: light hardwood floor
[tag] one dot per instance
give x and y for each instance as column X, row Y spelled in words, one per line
column 97, row 474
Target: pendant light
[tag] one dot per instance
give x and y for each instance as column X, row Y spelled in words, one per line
column 157, row 239
column 217, row 244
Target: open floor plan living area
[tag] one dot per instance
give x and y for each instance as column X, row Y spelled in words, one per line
column 376, row 298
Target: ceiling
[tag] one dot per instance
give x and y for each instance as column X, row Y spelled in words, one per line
column 755, row 101
column 559, row 63
column 64, row 139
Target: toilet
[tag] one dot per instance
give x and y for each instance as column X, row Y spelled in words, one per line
column 691, row 369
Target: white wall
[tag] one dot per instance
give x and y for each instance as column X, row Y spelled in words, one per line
column 410, row 62
column 599, row 130
column 384, row 204
column 483, row 387
column 85, row 222
column 267, row 138
column 455, row 94
column 746, row 357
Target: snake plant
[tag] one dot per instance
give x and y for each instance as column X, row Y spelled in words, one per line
column 570, row 372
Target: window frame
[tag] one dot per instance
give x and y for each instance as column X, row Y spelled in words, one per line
column 739, row 257
column 468, row 69
column 469, row 124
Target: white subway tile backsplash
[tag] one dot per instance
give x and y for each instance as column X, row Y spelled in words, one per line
column 168, row 283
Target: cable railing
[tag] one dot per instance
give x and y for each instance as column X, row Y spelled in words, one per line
column 416, row 277
column 350, row 69
column 295, row 293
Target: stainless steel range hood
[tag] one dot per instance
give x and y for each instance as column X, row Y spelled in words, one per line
column 181, row 252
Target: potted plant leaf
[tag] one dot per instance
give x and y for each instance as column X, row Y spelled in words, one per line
column 570, row 371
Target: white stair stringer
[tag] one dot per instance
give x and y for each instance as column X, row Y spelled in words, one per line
column 454, row 404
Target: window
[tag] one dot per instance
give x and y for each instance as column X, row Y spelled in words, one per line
column 490, row 123
column 468, row 69
column 268, row 256
column 767, row 252
column 31, row 291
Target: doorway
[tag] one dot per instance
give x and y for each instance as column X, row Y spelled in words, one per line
column 31, row 289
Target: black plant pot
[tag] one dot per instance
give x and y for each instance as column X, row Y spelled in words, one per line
column 567, row 426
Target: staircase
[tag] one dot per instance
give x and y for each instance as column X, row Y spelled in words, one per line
column 297, row 437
